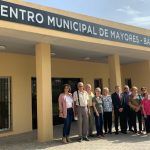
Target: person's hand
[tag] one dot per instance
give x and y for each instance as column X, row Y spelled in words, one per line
column 89, row 111
column 145, row 116
column 97, row 114
column 137, row 109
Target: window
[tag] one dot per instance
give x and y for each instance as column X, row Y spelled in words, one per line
column 5, row 103
column 128, row 82
column 98, row 83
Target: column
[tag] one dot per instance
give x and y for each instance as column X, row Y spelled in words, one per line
column 44, row 92
column 114, row 71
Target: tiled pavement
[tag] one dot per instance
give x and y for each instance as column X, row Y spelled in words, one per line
column 109, row 142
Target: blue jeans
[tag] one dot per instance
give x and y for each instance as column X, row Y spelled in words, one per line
column 67, row 122
column 99, row 123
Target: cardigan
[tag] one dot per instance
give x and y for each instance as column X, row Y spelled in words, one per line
column 63, row 106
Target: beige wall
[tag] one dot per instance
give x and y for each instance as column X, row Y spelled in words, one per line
column 22, row 67
column 138, row 72
column 80, row 69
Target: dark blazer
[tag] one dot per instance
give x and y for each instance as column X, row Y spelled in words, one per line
column 125, row 100
column 116, row 101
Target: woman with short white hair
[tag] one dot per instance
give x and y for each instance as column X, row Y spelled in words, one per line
column 98, row 112
column 107, row 106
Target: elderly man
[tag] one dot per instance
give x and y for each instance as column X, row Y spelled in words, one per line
column 81, row 98
column 125, row 115
column 116, row 99
column 90, row 108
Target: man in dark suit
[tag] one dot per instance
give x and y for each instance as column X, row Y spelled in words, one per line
column 116, row 99
column 124, row 114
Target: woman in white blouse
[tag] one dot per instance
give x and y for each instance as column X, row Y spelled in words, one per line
column 66, row 109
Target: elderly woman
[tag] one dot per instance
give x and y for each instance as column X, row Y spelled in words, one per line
column 107, row 106
column 98, row 112
column 66, row 105
column 146, row 111
column 135, row 105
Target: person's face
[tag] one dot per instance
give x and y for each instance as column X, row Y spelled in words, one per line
column 144, row 90
column 126, row 89
column 146, row 96
column 66, row 89
column 118, row 89
column 134, row 91
column 88, row 88
column 97, row 92
column 105, row 92
column 80, row 87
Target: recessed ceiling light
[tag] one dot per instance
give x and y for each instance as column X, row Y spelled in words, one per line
column 2, row 47
column 53, row 54
column 87, row 58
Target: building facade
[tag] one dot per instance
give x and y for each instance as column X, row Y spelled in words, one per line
column 42, row 48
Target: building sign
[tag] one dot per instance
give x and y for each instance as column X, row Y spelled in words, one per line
column 30, row 16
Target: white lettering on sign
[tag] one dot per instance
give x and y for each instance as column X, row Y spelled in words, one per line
column 147, row 41
column 30, row 16
column 23, row 12
column 4, row 11
column 51, row 20
column 128, row 37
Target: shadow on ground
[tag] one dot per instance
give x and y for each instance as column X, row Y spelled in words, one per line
column 29, row 141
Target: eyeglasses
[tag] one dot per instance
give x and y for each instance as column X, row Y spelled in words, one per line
column 81, row 86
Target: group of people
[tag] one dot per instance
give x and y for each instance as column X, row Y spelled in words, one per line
column 87, row 107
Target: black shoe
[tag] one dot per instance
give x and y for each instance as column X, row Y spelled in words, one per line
column 124, row 132
column 109, row 132
column 102, row 135
column 131, row 130
column 80, row 139
column 116, row 132
column 135, row 131
column 91, row 135
column 86, row 139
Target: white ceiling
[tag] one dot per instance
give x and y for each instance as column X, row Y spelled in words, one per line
column 75, row 50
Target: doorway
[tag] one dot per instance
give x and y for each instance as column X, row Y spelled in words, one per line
column 98, row 83
column 57, row 84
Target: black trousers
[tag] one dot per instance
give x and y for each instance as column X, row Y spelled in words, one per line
column 129, row 119
column 147, row 124
column 108, row 122
column 117, row 116
column 123, row 121
column 137, row 115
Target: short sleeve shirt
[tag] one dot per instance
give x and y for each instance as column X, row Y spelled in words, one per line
column 90, row 99
column 136, row 101
column 98, row 103
column 146, row 106
column 83, row 98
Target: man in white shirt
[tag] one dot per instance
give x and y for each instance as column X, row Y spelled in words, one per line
column 81, row 98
